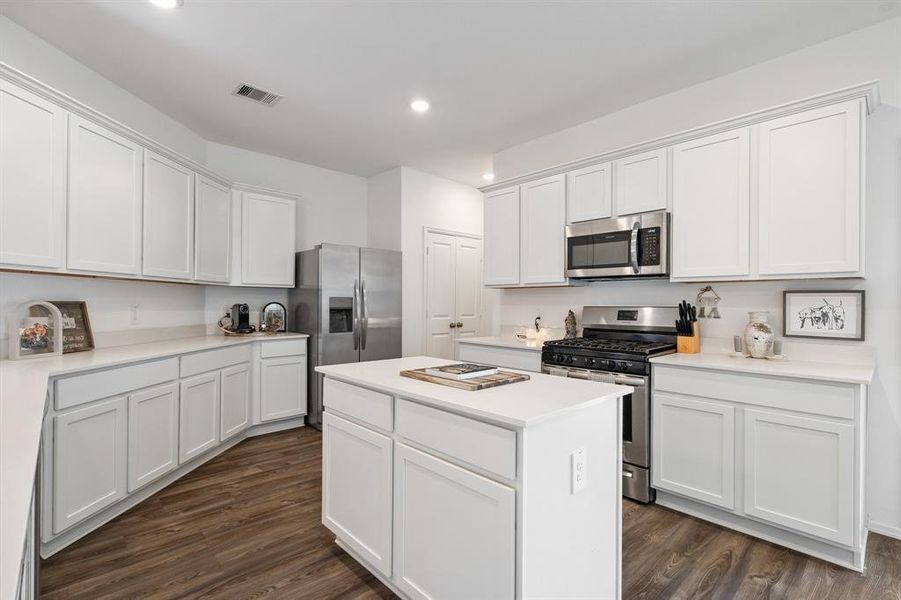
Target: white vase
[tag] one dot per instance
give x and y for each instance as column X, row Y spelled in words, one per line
column 758, row 335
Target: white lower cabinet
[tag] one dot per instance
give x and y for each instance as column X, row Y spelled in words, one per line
column 694, row 445
column 817, row 499
column 198, row 415
column 283, row 387
column 357, row 463
column 455, row 531
column 152, row 434
column 235, row 411
column 89, row 471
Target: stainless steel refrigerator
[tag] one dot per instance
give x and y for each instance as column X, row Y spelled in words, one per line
column 348, row 299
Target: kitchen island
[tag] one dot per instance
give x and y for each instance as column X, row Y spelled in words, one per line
column 506, row 492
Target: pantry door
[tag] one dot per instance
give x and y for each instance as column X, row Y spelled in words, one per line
column 452, row 290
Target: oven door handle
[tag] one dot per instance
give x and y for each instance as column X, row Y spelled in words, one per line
column 633, row 247
column 633, row 381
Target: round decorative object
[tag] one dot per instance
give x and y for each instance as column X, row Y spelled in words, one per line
column 758, row 335
column 35, row 330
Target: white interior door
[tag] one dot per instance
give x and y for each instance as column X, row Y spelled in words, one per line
column 453, row 291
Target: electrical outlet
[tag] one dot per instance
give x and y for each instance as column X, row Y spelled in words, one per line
column 578, row 470
column 133, row 314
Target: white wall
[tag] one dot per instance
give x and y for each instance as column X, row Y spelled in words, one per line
column 332, row 207
column 430, row 201
column 868, row 54
column 384, row 210
column 30, row 54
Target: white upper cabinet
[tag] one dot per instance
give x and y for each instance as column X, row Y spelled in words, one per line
column 105, row 198
column 640, row 183
column 501, row 224
column 212, row 231
column 168, row 218
column 589, row 193
column 33, row 181
column 267, row 240
column 810, row 192
column 711, row 211
column 542, row 223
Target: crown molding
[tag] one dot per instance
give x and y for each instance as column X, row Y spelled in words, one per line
column 258, row 189
column 868, row 91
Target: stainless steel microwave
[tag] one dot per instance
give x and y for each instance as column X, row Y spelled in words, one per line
column 635, row 246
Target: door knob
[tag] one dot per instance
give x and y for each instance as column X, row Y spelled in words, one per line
column 459, row 324
column 452, row 325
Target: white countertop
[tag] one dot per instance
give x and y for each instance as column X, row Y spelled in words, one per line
column 505, row 342
column 841, row 372
column 23, row 399
column 520, row 404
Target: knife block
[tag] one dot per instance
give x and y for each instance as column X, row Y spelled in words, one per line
column 686, row 344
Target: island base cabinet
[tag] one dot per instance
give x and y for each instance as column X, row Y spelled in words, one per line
column 799, row 473
column 356, row 489
column 152, row 434
column 454, row 530
column 198, row 416
column 89, row 461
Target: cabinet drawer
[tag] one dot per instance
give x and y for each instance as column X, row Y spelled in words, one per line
column 479, row 444
column 364, row 405
column 830, row 399
column 283, row 348
column 211, row 360
column 81, row 389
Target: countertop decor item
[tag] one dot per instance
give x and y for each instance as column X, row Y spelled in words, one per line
column 834, row 315
column 77, row 335
column 688, row 331
column 708, row 301
column 35, row 330
column 472, row 385
column 758, row 334
column 274, row 318
column 569, row 324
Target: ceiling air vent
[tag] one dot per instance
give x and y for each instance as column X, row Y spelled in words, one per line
column 256, row 94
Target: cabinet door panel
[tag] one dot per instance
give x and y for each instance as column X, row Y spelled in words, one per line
column 468, row 287
column 357, row 464
column 283, row 386
column 694, row 449
column 89, row 464
column 105, row 199
column 799, row 473
column 441, row 321
column 640, row 183
column 810, row 182
column 235, row 401
column 267, row 240
column 711, row 210
column 501, row 264
column 168, row 218
column 454, row 531
column 212, row 231
column 589, row 193
column 198, row 415
column 542, row 231
column 33, row 164
column 152, row 434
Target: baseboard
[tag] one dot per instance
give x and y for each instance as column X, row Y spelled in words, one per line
column 884, row 529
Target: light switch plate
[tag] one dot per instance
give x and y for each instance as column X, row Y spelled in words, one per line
column 578, row 470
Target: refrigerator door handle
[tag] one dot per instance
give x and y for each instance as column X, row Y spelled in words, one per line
column 356, row 314
column 364, row 315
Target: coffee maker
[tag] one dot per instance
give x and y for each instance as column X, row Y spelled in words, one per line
column 240, row 319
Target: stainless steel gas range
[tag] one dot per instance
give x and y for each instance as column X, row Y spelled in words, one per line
column 616, row 346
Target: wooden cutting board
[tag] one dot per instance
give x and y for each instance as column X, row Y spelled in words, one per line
column 476, row 383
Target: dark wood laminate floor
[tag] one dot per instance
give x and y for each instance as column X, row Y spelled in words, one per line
column 247, row 525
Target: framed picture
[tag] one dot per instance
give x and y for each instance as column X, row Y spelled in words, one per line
column 273, row 319
column 77, row 335
column 35, row 330
column 833, row 315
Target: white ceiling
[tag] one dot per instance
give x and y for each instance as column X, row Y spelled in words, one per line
column 497, row 73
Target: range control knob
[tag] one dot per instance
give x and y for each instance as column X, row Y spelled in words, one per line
column 610, row 364
column 623, row 365
column 589, row 362
column 569, row 360
column 559, row 358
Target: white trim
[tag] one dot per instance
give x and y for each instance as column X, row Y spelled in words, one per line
column 258, row 189
column 892, row 531
column 869, row 91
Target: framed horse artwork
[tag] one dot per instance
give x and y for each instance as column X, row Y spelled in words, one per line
column 834, row 315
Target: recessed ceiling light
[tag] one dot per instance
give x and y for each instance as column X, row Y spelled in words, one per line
column 488, row 176
column 419, row 105
column 167, row 3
